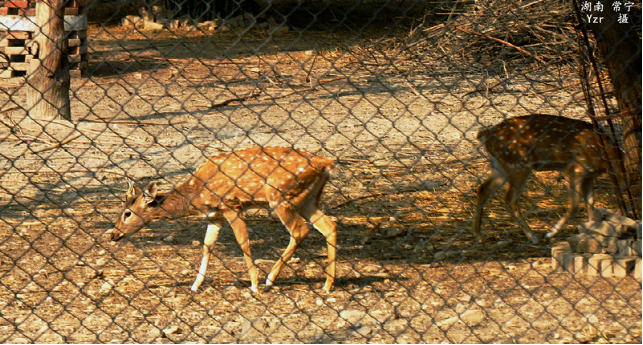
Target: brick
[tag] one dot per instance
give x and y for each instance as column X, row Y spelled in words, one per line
column 568, row 261
column 132, row 22
column 78, row 3
column 15, row 51
column 75, row 42
column 580, row 264
column 16, row 3
column 17, row 35
column 623, row 266
column 590, row 243
column 594, row 263
column 19, row 66
column 72, row 11
column 558, row 252
column 4, row 74
column 76, row 58
column 610, row 245
column 75, row 73
column 9, row 73
column 625, row 247
column 607, row 267
column 4, row 11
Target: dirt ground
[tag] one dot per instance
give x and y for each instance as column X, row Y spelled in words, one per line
column 403, row 130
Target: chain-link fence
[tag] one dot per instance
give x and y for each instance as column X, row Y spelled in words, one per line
column 394, row 94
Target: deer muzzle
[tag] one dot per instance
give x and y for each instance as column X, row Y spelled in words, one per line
column 117, row 236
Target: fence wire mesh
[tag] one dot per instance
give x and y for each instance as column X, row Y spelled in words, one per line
column 393, row 92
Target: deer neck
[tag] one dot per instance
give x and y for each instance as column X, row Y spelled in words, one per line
column 177, row 202
column 172, row 204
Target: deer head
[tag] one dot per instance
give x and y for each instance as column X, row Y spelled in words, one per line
column 139, row 208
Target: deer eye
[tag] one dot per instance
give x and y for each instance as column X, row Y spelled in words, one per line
column 127, row 214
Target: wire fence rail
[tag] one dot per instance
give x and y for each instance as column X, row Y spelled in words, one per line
column 369, row 111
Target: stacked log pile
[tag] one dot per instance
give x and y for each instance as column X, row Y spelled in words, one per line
column 17, row 30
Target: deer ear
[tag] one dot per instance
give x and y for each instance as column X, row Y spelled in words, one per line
column 132, row 190
column 150, row 192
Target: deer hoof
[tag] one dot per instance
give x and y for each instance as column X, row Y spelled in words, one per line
column 551, row 234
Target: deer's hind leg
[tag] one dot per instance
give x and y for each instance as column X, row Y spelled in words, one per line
column 485, row 191
column 578, row 186
column 298, row 231
column 328, row 228
column 516, row 183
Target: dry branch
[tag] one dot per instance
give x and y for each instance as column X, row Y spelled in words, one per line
column 55, row 145
column 499, row 41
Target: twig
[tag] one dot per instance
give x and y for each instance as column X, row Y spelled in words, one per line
column 9, row 108
column 376, row 195
column 43, row 171
column 127, row 122
column 53, row 146
column 558, row 88
column 225, row 102
column 312, row 88
column 515, row 75
column 499, row 41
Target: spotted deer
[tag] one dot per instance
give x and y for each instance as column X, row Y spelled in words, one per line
column 287, row 180
column 521, row 145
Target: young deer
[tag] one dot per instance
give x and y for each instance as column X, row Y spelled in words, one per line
column 518, row 146
column 287, row 180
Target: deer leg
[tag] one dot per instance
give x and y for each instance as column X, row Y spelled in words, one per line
column 241, row 234
column 298, row 231
column 328, row 228
column 587, row 187
column 211, row 236
column 517, row 181
column 486, row 190
column 575, row 189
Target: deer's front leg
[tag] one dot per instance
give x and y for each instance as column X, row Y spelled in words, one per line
column 211, row 236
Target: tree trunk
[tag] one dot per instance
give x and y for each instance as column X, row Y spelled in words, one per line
column 620, row 48
column 48, row 73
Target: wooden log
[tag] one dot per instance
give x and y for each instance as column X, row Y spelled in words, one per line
column 48, row 75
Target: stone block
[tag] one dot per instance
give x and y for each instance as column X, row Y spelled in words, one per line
column 638, row 269
column 131, row 22
column 594, row 263
column 151, row 26
column 568, row 261
column 636, row 246
column 558, row 252
column 578, row 263
column 173, row 24
column 610, row 245
column 602, row 228
column 625, row 247
column 607, row 267
column 587, row 243
column 623, row 266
